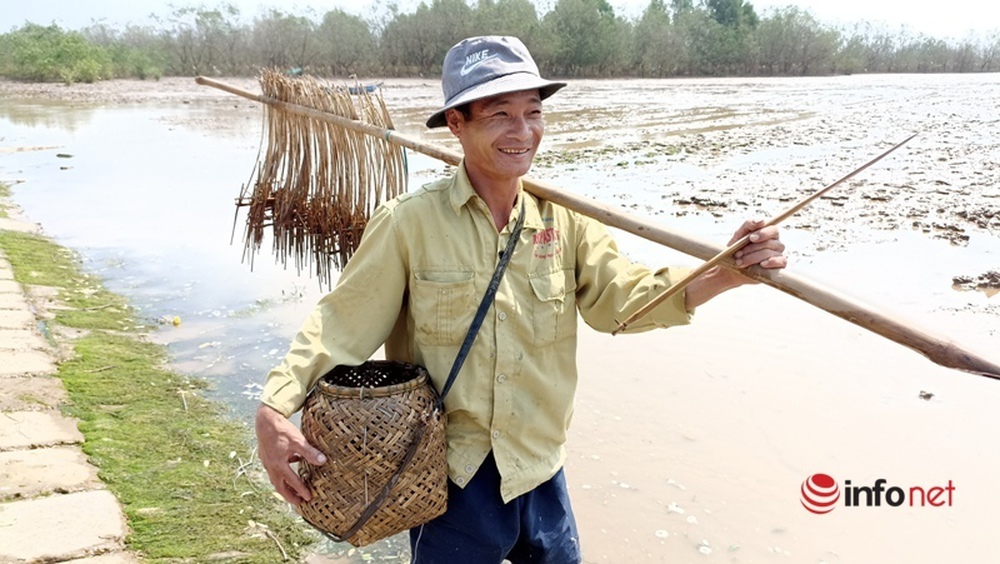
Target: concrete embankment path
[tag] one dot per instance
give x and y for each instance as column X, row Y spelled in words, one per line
column 53, row 507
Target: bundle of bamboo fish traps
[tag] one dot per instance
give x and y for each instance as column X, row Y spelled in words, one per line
column 316, row 184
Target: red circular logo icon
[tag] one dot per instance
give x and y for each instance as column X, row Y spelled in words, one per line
column 820, row 493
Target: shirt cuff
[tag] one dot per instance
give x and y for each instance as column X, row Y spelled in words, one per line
column 283, row 393
column 672, row 311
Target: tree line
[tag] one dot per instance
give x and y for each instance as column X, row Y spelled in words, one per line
column 576, row 38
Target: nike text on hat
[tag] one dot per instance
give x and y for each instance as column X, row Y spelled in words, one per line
column 480, row 67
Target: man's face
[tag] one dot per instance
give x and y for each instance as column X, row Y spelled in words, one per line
column 501, row 135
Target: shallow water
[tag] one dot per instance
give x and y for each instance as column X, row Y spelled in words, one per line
column 722, row 419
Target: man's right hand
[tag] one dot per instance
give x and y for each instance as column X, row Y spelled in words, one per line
column 279, row 444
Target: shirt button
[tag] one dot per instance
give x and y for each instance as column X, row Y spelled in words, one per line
column 460, row 481
column 501, row 378
column 492, row 354
column 496, row 434
column 470, row 468
column 502, row 316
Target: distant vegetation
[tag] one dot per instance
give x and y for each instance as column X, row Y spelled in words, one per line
column 576, row 38
column 46, row 54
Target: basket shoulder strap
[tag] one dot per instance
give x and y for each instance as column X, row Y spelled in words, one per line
column 418, row 435
column 484, row 306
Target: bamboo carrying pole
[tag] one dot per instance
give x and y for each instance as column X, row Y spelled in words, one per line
column 742, row 242
column 939, row 350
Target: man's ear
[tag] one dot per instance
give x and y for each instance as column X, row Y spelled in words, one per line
column 455, row 121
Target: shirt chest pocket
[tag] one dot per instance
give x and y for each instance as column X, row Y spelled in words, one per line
column 442, row 304
column 554, row 306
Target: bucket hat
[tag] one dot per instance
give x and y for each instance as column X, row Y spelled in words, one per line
column 481, row 67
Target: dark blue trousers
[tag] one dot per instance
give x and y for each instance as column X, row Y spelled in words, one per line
column 479, row 528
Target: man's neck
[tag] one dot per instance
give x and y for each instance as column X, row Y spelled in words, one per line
column 499, row 195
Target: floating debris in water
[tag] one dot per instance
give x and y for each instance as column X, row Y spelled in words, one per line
column 253, row 391
column 926, row 395
column 661, row 534
column 169, row 320
column 671, row 482
column 692, row 520
column 674, row 508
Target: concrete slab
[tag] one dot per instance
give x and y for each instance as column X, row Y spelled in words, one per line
column 35, row 393
column 23, row 339
column 39, row 292
column 22, row 363
column 16, row 318
column 26, row 429
column 42, row 471
column 8, row 224
column 9, row 287
column 87, row 523
column 12, row 300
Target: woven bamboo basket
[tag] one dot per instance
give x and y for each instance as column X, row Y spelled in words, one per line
column 384, row 440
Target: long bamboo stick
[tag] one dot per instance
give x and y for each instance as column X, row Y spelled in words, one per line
column 742, row 242
column 939, row 350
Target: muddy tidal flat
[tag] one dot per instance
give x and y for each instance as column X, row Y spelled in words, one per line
column 692, row 444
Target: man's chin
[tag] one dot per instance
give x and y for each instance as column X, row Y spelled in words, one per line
column 522, row 164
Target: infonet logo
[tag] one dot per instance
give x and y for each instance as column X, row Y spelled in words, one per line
column 820, row 494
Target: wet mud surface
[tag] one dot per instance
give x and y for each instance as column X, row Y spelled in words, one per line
column 780, row 143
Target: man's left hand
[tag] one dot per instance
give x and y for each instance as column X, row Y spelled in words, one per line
column 764, row 249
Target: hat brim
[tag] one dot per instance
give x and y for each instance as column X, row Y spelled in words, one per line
column 506, row 84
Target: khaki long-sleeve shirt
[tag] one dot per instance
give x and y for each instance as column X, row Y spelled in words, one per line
column 415, row 283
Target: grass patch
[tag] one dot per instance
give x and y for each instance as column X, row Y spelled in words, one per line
column 4, row 194
column 172, row 457
column 32, row 399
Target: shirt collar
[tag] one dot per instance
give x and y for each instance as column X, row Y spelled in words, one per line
column 462, row 191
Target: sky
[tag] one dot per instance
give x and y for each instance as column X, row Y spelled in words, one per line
column 958, row 21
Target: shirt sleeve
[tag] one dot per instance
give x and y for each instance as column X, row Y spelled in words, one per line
column 610, row 287
column 350, row 323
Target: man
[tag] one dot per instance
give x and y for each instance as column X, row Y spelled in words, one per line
column 414, row 284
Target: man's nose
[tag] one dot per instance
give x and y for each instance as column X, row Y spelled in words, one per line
column 520, row 127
